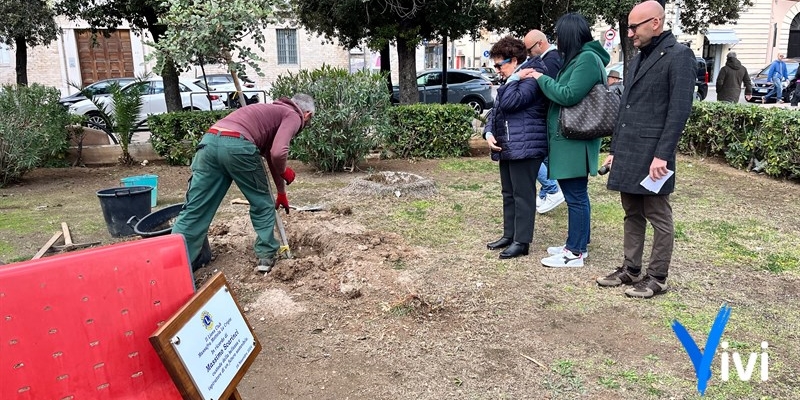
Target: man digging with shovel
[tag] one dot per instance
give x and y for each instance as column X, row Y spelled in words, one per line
column 231, row 151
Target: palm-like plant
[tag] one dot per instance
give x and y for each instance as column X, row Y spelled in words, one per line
column 123, row 119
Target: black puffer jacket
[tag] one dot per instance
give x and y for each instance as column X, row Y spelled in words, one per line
column 518, row 118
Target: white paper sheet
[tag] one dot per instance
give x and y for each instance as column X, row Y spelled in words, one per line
column 655, row 186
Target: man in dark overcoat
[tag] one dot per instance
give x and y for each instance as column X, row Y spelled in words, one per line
column 657, row 101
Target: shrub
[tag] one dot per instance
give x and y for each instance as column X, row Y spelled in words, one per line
column 350, row 115
column 32, row 129
column 429, row 130
column 743, row 134
column 175, row 135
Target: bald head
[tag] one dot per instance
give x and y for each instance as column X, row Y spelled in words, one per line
column 536, row 42
column 645, row 21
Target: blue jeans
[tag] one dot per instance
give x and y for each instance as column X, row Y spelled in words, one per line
column 576, row 194
column 549, row 186
column 776, row 89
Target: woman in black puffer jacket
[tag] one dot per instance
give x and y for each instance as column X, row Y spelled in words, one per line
column 516, row 131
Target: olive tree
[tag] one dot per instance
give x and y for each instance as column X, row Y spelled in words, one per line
column 214, row 31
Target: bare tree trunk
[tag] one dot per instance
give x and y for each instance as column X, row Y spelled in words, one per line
column 172, row 92
column 21, row 60
column 386, row 65
column 626, row 43
column 407, row 66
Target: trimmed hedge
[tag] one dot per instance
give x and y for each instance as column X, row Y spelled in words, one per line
column 349, row 119
column 744, row 133
column 429, row 130
column 175, row 135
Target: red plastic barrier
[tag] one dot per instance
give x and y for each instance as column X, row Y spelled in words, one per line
column 76, row 326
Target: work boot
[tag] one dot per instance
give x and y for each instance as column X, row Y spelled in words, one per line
column 266, row 264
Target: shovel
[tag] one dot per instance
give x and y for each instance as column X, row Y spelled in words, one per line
column 284, row 249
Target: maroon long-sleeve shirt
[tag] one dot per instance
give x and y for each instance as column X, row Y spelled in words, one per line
column 271, row 127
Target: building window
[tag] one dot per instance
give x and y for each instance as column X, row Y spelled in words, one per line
column 287, row 46
column 5, row 54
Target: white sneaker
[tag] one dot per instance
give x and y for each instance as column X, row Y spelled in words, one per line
column 565, row 259
column 539, row 202
column 560, row 249
column 550, row 202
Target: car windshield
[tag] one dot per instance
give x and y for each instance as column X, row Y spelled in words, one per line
column 202, row 85
column 791, row 69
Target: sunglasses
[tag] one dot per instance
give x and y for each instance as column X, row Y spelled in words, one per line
column 533, row 45
column 632, row 27
column 501, row 63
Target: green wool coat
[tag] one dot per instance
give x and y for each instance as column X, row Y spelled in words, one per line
column 573, row 158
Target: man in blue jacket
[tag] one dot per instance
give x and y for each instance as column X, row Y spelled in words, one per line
column 777, row 74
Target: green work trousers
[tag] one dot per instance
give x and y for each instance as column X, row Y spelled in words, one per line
column 219, row 161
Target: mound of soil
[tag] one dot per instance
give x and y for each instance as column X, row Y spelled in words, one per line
column 329, row 254
column 389, row 183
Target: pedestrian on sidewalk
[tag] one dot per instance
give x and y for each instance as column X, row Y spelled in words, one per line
column 730, row 79
column 776, row 74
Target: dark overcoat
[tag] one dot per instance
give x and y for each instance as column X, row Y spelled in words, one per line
column 653, row 111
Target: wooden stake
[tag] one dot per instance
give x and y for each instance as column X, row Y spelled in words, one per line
column 47, row 245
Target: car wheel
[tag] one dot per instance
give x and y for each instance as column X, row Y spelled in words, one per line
column 95, row 120
column 475, row 104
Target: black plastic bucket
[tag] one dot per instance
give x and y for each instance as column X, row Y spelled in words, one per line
column 159, row 223
column 122, row 203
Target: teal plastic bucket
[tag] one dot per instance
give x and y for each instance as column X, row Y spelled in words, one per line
column 144, row 180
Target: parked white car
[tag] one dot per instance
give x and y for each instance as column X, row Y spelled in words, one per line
column 224, row 86
column 192, row 97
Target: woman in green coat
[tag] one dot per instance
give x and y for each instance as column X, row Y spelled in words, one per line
column 572, row 161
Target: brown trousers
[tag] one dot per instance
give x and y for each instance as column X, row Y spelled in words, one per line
column 639, row 209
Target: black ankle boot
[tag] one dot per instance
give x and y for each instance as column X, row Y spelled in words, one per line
column 515, row 250
column 499, row 243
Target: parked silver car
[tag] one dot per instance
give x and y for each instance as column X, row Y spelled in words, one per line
column 463, row 86
column 99, row 88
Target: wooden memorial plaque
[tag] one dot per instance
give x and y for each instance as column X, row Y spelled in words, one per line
column 208, row 345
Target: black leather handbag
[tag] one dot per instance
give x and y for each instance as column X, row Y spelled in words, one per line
column 596, row 115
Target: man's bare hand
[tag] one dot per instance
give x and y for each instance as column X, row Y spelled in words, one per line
column 658, row 169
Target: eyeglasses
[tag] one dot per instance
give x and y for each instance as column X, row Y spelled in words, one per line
column 501, row 63
column 632, row 27
column 533, row 45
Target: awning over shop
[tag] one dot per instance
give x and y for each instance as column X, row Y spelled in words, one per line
column 715, row 36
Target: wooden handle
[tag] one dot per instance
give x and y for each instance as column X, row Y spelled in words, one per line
column 67, row 236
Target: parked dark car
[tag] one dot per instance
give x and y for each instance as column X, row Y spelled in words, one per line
column 463, row 86
column 762, row 85
column 99, row 88
column 488, row 73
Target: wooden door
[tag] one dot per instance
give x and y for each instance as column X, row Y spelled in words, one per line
column 102, row 57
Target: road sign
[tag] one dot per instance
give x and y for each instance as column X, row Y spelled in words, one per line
column 611, row 34
column 486, row 53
